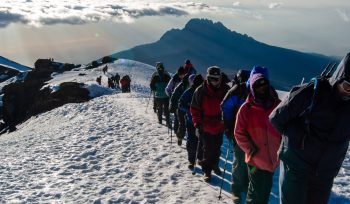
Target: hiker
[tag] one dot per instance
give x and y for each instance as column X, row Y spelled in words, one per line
column 184, row 107
column 173, row 83
column 233, row 100
column 225, row 78
column 105, row 69
column 257, row 138
column 99, row 80
column 314, row 121
column 125, row 84
column 175, row 80
column 206, row 116
column 111, row 83
column 159, row 80
column 173, row 108
column 189, row 69
column 116, row 79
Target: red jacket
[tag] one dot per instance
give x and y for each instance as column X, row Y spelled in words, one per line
column 205, row 108
column 253, row 128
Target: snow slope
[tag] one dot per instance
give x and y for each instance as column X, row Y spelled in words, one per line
column 13, row 65
column 110, row 149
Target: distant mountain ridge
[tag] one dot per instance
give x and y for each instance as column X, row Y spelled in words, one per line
column 209, row 43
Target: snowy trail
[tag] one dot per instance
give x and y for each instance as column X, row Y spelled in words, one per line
column 106, row 150
column 109, row 150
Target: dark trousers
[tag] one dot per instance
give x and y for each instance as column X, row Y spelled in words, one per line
column 211, row 151
column 260, row 184
column 300, row 182
column 240, row 179
column 162, row 105
column 176, row 122
column 192, row 145
column 181, row 130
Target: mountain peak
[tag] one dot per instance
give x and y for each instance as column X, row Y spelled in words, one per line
column 198, row 24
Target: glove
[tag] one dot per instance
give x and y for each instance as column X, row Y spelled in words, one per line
column 199, row 131
column 181, row 132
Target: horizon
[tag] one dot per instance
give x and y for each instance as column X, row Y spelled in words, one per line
column 78, row 33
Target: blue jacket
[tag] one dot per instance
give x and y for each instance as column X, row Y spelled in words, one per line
column 185, row 103
column 233, row 100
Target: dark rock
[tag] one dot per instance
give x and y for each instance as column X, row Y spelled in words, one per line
column 23, row 100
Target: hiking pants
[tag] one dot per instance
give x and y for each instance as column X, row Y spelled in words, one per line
column 162, row 105
column 192, row 143
column 240, row 179
column 181, row 130
column 303, row 183
column 176, row 122
column 260, row 184
column 211, row 151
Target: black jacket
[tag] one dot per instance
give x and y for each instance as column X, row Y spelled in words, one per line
column 328, row 139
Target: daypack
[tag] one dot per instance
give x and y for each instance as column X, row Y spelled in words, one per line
column 315, row 82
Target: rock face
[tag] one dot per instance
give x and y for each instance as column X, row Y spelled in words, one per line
column 6, row 73
column 23, row 100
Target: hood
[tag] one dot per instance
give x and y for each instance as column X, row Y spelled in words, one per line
column 342, row 71
column 253, row 79
column 258, row 69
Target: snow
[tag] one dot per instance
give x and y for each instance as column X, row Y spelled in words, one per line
column 13, row 65
column 110, row 149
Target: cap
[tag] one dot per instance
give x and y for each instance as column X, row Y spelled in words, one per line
column 214, row 72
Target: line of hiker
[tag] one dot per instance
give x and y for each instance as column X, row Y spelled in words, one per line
column 306, row 134
column 115, row 82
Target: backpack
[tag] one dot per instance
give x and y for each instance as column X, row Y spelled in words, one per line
column 315, row 82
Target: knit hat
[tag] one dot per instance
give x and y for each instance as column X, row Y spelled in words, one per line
column 159, row 66
column 197, row 81
column 214, row 72
column 187, row 61
column 257, row 80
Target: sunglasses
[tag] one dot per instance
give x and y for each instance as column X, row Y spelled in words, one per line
column 213, row 79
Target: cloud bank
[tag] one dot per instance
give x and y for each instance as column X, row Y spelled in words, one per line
column 275, row 5
column 44, row 12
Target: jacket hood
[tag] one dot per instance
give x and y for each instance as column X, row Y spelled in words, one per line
column 258, row 69
column 342, row 71
column 254, row 78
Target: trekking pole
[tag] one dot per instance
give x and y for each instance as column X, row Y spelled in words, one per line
column 223, row 175
column 149, row 98
column 195, row 160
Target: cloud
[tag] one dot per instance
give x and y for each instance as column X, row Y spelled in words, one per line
column 6, row 18
column 275, row 5
column 40, row 12
column 237, row 4
column 343, row 15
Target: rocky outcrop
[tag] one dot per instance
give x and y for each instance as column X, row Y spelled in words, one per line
column 23, row 100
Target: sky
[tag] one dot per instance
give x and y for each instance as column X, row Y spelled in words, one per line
column 77, row 31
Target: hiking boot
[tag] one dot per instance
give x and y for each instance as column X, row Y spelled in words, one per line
column 236, row 199
column 191, row 166
column 179, row 141
column 236, row 195
column 207, row 177
column 217, row 170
